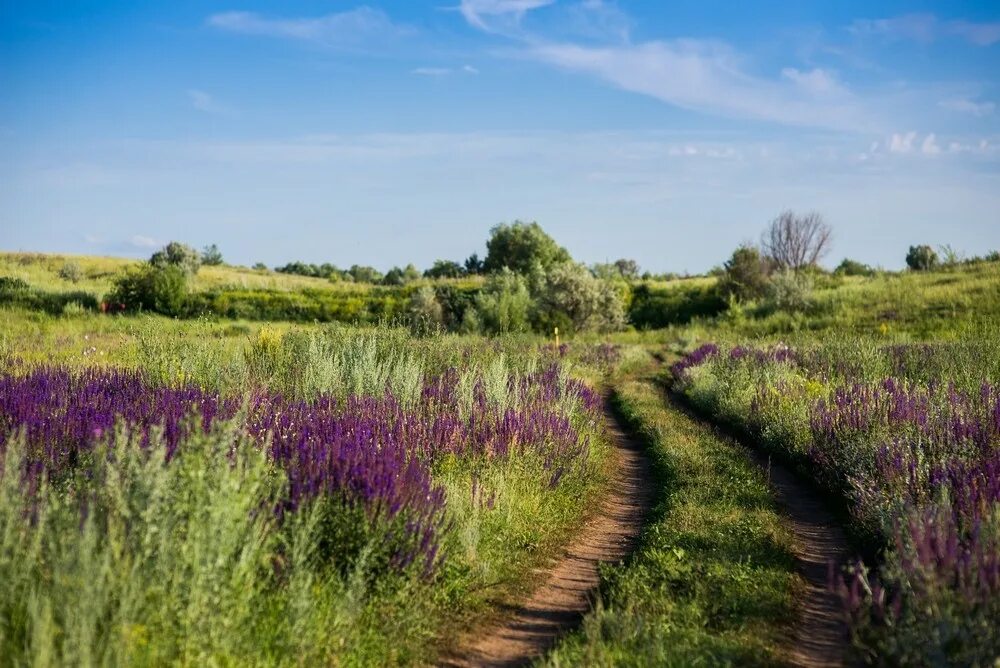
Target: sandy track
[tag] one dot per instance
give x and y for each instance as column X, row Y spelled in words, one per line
column 532, row 627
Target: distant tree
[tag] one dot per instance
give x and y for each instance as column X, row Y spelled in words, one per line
column 211, row 256
column 619, row 269
column 795, row 241
column 745, row 274
column 503, row 305
column 629, row 269
column 853, row 268
column 921, row 258
column 393, row 277
column 410, row 273
column 572, row 295
column 178, row 255
column 364, row 274
column 259, row 266
column 520, row 246
column 473, row 265
column 444, row 269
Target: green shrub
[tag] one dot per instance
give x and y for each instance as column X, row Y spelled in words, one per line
column 149, row 287
column 850, row 267
column 676, row 305
column 572, row 297
column 71, row 271
column 504, row 304
column 789, row 291
column 921, row 258
column 745, row 274
column 176, row 254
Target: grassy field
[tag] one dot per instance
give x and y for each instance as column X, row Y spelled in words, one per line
column 713, row 581
column 101, row 596
column 496, row 451
column 907, row 438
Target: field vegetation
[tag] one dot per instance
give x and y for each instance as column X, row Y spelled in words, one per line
column 209, row 464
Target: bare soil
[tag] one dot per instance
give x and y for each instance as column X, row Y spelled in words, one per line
column 530, row 628
column 820, row 637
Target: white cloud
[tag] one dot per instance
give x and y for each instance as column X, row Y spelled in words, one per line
column 980, row 34
column 917, row 27
column 202, row 101
column 432, row 71
column 707, row 76
column 930, row 146
column 469, row 69
column 340, row 29
column 902, row 143
column 927, row 28
column 967, row 106
column 817, row 81
column 480, row 13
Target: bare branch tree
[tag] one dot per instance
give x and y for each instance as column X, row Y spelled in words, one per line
column 793, row 241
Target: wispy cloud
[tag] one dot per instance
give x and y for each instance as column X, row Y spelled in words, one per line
column 443, row 71
column 432, row 71
column 496, row 15
column 142, row 241
column 967, row 106
column 927, row 28
column 708, row 76
column 203, row 101
column 341, row 29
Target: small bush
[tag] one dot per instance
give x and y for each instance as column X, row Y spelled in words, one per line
column 921, row 258
column 71, row 271
column 426, row 313
column 850, row 267
column 176, row 254
column 157, row 288
column 789, row 291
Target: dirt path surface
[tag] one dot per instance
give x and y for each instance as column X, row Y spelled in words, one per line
column 559, row 604
column 820, row 637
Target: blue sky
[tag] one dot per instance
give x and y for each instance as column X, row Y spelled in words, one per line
column 396, row 132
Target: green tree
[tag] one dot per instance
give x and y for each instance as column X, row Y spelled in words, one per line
column 473, row 265
column 921, row 258
column 178, row 255
column 519, row 246
column 445, row 269
column 503, row 305
column 571, row 296
column 364, row 274
column 745, row 274
column 211, row 256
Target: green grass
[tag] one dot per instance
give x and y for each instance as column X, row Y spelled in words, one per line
column 713, row 581
column 318, row 618
column 41, row 270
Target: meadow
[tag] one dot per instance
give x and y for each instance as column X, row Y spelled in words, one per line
column 294, row 469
